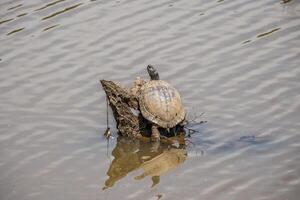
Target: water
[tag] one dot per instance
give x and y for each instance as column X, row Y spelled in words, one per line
column 235, row 60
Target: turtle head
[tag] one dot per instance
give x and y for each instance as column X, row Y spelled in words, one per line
column 152, row 73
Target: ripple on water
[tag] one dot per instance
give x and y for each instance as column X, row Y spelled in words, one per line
column 236, row 61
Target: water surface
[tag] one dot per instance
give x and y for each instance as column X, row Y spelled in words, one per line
column 235, row 60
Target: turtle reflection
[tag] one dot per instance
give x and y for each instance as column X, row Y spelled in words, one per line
column 152, row 158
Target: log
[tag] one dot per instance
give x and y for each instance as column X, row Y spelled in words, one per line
column 129, row 123
column 122, row 105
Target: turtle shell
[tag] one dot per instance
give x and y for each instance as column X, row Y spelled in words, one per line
column 161, row 104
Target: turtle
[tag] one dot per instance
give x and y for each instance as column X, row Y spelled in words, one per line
column 159, row 102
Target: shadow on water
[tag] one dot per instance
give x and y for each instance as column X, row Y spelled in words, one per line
column 156, row 159
column 200, row 140
column 153, row 158
column 251, row 143
column 197, row 137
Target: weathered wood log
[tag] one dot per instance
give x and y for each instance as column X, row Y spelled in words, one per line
column 122, row 105
column 125, row 109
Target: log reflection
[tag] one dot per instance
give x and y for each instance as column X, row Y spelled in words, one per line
column 153, row 158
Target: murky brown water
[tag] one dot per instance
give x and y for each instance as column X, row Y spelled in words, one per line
column 235, row 60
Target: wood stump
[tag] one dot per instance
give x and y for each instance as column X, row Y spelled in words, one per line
column 129, row 121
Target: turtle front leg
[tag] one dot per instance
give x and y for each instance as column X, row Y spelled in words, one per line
column 155, row 135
